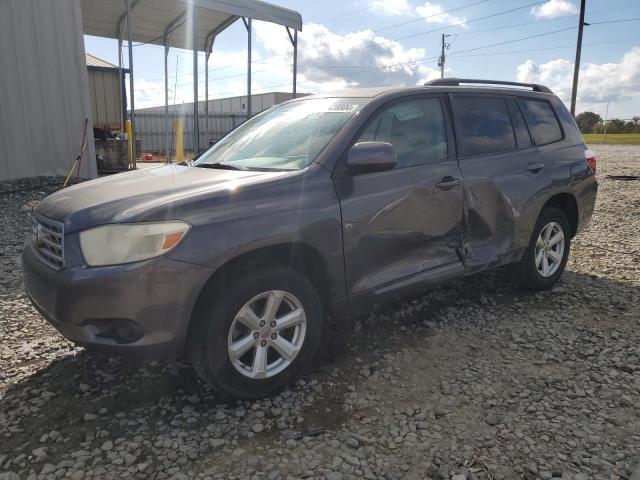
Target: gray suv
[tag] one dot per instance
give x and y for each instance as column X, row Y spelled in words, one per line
column 310, row 207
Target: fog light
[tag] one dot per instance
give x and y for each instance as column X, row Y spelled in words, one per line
column 121, row 330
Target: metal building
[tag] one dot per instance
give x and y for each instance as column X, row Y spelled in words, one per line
column 44, row 86
column 44, row 89
column 107, row 93
column 236, row 105
column 224, row 114
column 191, row 24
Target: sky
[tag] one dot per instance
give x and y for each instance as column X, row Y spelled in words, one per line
column 361, row 43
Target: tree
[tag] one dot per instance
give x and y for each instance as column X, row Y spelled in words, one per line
column 615, row 125
column 587, row 120
column 629, row 127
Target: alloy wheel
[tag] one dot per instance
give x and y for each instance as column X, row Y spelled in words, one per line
column 267, row 334
column 549, row 250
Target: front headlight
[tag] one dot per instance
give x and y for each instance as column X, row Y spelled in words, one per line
column 130, row 242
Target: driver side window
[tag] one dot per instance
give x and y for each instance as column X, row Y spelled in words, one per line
column 416, row 129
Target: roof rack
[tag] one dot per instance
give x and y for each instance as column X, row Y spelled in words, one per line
column 450, row 82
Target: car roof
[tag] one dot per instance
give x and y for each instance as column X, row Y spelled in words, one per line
column 391, row 91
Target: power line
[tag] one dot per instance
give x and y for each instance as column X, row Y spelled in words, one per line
column 372, row 44
column 615, row 21
column 560, row 47
column 262, row 62
column 343, row 14
column 432, row 16
column 267, row 87
column 423, row 60
column 169, row 32
column 426, row 32
column 455, row 54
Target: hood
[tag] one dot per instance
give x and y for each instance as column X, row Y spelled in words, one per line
column 126, row 197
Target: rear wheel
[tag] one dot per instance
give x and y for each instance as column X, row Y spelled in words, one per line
column 546, row 257
column 256, row 335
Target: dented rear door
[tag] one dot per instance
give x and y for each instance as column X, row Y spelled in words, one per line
column 499, row 169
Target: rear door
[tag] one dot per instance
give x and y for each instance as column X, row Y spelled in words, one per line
column 495, row 153
column 549, row 164
column 402, row 227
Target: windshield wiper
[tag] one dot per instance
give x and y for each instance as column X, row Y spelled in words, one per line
column 220, row 166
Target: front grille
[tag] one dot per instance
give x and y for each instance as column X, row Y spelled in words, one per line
column 48, row 240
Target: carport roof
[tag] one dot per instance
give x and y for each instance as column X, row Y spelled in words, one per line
column 151, row 19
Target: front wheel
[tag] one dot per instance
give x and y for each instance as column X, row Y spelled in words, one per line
column 546, row 257
column 257, row 334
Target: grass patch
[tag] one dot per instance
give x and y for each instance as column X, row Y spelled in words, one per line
column 612, row 138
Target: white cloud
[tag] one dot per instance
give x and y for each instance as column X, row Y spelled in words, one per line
column 326, row 62
column 433, row 13
column 329, row 61
column 556, row 74
column 554, row 9
column 150, row 93
column 392, row 7
column 598, row 83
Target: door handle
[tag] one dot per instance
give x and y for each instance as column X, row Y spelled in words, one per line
column 448, row 182
column 535, row 167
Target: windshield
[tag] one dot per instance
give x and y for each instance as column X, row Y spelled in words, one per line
column 286, row 137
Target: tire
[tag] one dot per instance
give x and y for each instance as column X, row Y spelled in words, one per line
column 528, row 272
column 218, row 322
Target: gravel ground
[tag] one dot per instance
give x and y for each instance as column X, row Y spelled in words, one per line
column 473, row 380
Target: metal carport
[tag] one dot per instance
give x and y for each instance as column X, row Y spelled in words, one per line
column 187, row 24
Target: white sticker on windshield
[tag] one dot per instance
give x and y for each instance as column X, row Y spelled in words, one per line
column 342, row 107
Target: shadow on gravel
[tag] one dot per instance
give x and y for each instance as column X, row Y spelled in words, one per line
column 97, row 391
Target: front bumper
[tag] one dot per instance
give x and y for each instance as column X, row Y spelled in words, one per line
column 140, row 309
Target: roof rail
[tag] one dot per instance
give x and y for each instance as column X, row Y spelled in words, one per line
column 450, row 82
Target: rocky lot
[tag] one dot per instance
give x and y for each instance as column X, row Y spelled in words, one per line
column 473, row 380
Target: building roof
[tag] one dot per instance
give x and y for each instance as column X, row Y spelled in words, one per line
column 152, row 19
column 93, row 61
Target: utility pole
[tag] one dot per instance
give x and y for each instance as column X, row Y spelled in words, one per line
column 576, row 67
column 441, row 59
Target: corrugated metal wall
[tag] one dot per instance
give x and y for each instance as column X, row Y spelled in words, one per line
column 224, row 115
column 153, row 129
column 259, row 102
column 104, row 88
column 44, row 90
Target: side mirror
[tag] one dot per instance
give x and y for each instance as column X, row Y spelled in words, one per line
column 369, row 157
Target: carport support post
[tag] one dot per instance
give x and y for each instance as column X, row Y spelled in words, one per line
column 120, row 82
column 194, row 45
column 207, row 53
column 132, row 102
column 294, row 42
column 167, row 123
column 295, row 62
column 247, row 24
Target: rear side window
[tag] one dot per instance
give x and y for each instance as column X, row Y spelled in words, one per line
column 542, row 121
column 416, row 128
column 522, row 134
column 485, row 125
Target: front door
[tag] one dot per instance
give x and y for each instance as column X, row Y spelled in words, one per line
column 402, row 226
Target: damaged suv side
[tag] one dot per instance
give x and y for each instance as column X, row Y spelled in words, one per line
column 313, row 206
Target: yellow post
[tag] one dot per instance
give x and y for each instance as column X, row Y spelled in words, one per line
column 179, row 141
column 128, row 129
